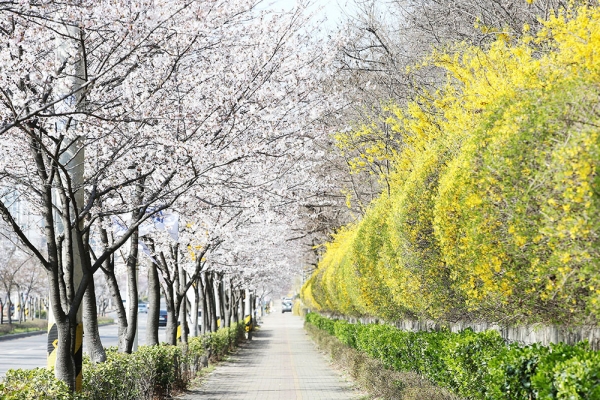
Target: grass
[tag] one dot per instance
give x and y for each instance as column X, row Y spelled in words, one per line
column 371, row 376
column 37, row 325
column 29, row 326
column 202, row 375
column 105, row 320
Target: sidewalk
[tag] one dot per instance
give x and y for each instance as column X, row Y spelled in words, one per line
column 280, row 363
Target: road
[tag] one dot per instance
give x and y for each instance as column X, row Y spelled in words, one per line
column 30, row 352
column 280, row 363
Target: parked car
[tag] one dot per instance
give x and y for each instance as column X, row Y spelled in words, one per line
column 142, row 308
column 286, row 306
column 162, row 318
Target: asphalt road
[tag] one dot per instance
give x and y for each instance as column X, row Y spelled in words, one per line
column 30, row 352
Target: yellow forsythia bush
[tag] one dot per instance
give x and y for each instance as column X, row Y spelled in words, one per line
column 493, row 206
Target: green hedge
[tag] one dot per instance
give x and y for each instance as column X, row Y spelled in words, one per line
column 149, row 373
column 223, row 340
column 477, row 365
column 152, row 371
column 33, row 384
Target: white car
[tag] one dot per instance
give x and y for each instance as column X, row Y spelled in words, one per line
column 286, row 306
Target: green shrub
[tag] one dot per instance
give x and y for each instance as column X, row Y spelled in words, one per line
column 321, row 322
column 510, row 373
column 152, row 371
column 116, row 378
column 222, row 341
column 218, row 343
column 568, row 372
column 346, row 332
column 197, row 345
column 149, row 373
column 477, row 365
column 467, row 356
column 33, row 384
column 372, row 376
column 167, row 367
column 385, row 343
column 433, row 364
column 577, row 378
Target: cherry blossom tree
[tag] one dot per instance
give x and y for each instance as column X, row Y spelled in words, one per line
column 118, row 108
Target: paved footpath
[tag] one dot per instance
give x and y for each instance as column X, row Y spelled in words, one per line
column 280, row 363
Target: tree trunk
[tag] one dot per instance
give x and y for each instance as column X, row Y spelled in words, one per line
column 219, row 299
column 132, row 295
column 90, row 323
column 227, row 306
column 20, row 306
column 242, row 306
column 233, row 303
column 183, row 306
column 25, row 310
column 248, row 313
column 253, row 308
column 210, row 290
column 64, row 365
column 171, row 315
column 113, row 288
column 238, row 307
column 9, row 306
column 205, row 311
column 232, row 308
column 115, row 293
column 153, row 306
column 64, row 369
column 195, row 304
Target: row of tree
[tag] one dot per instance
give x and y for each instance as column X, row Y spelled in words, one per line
column 172, row 136
column 22, row 289
column 490, row 189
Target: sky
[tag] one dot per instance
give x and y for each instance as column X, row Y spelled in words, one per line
column 332, row 9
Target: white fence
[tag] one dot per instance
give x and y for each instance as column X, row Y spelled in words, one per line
column 523, row 334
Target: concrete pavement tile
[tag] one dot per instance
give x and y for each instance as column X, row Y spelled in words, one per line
column 280, row 363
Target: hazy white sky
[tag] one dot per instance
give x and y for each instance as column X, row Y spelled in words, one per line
column 330, row 8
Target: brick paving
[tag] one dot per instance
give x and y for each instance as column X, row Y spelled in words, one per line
column 280, row 363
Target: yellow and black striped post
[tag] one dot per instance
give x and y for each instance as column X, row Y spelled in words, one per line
column 77, row 355
column 248, row 323
column 52, row 344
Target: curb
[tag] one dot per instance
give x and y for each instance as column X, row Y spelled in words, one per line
column 12, row 336
column 21, row 335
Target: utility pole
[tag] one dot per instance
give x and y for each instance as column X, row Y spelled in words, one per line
column 72, row 159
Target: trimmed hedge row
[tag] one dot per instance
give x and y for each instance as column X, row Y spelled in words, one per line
column 477, row 365
column 149, row 373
